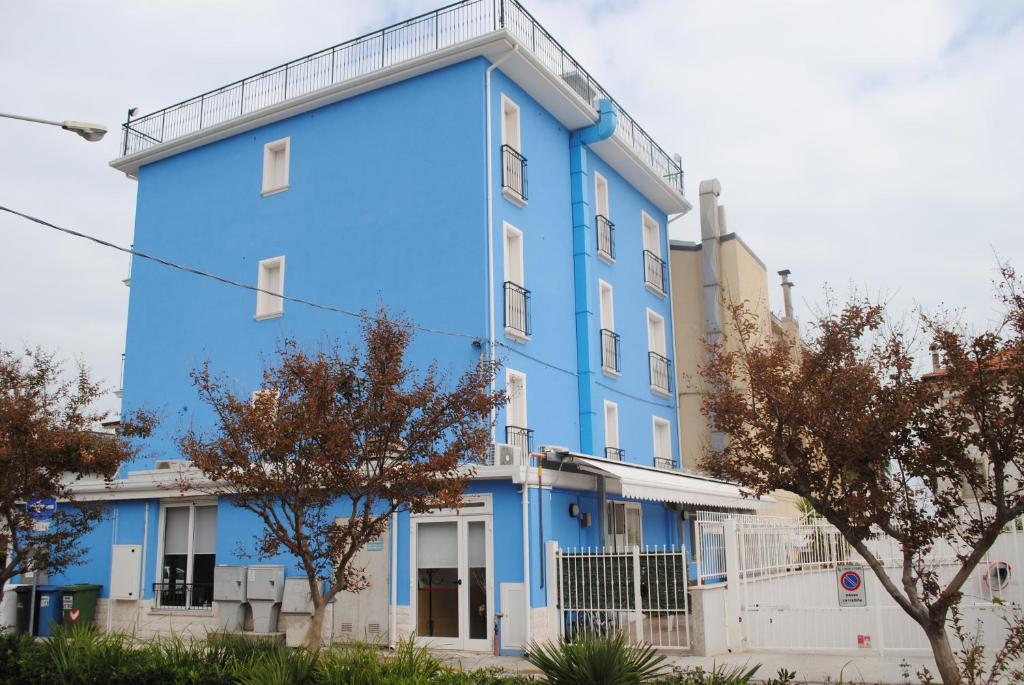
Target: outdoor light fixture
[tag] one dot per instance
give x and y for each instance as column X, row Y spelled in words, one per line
column 574, row 510
column 89, row 131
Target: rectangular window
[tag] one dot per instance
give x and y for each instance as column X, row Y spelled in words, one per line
column 657, row 354
column 275, row 166
column 624, row 529
column 517, row 297
column 611, row 431
column 609, row 338
column 270, row 282
column 516, row 431
column 662, row 443
column 654, row 265
column 513, row 163
column 189, row 544
column 604, row 225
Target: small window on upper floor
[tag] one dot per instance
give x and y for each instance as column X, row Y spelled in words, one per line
column 516, row 427
column 654, row 265
column 659, row 365
column 609, row 338
column 662, row 443
column 270, row 282
column 275, row 166
column 517, row 297
column 605, row 227
column 611, row 431
column 513, row 163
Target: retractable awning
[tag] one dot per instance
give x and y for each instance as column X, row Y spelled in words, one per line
column 639, row 482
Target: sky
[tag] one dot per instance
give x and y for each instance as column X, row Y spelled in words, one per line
column 869, row 144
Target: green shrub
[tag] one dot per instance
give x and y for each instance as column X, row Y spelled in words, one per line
column 600, row 660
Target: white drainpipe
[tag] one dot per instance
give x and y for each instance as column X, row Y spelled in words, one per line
column 393, row 614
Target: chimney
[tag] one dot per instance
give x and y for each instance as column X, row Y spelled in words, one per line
column 787, row 294
column 710, row 232
column 936, row 359
column 722, row 228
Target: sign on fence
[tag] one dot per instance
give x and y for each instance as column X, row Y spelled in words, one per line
column 850, row 581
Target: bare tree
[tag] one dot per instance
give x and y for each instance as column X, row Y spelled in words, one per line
column 48, row 441
column 842, row 419
column 334, row 443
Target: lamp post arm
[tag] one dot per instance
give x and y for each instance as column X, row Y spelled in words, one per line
column 33, row 119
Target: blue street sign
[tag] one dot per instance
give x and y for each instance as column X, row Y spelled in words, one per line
column 41, row 508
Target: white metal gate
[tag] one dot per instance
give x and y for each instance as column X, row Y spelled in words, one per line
column 640, row 592
column 783, row 582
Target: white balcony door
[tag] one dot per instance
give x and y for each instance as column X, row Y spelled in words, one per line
column 453, row 582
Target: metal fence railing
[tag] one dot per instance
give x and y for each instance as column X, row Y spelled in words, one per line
column 513, row 172
column 605, row 237
column 610, row 350
column 197, row 596
column 660, row 372
column 517, row 309
column 641, row 593
column 654, row 271
column 433, row 31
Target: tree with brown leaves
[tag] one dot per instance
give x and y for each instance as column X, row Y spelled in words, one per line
column 333, row 444
column 48, row 441
column 842, row 419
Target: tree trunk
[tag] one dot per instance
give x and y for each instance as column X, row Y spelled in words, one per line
column 314, row 637
column 945, row 660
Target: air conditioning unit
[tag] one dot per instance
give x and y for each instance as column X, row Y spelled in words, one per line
column 507, row 455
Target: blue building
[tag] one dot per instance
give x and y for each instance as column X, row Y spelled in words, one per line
column 463, row 169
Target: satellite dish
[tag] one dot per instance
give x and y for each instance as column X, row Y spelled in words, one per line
column 998, row 575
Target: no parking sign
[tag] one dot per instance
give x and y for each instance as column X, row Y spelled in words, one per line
column 850, row 581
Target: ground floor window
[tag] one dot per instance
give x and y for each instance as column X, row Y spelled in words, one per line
column 189, row 553
column 624, row 529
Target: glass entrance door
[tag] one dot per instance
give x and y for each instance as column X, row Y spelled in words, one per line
column 454, row 594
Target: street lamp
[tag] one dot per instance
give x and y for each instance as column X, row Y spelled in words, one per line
column 89, row 131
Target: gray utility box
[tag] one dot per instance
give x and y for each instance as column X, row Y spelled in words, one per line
column 264, row 591
column 229, row 594
column 297, row 599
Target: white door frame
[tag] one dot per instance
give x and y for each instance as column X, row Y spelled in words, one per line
column 462, row 519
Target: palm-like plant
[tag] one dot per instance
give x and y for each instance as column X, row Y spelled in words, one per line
column 600, row 660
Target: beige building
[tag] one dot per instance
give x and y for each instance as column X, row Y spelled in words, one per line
column 706, row 277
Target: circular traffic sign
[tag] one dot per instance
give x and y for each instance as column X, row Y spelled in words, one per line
column 850, row 580
column 41, row 508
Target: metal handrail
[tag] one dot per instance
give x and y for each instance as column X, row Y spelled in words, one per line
column 664, row 463
column 183, row 595
column 517, row 308
column 521, row 437
column 605, row 236
column 660, row 368
column 442, row 28
column 654, row 270
column 609, row 349
column 513, row 171
column 614, row 453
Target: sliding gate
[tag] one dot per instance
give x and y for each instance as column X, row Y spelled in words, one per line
column 640, row 593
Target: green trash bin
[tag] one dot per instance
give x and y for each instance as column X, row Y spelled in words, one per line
column 78, row 604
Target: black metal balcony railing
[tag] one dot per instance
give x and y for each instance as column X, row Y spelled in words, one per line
column 520, row 437
column 614, row 453
column 661, row 372
column 609, row 350
column 440, row 29
column 183, row 595
column 513, row 172
column 663, row 463
column 517, row 308
column 605, row 237
column 654, row 271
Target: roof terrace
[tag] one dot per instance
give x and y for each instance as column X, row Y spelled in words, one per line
column 440, row 32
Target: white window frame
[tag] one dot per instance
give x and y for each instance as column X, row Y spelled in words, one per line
column 656, row 343
column 520, row 376
column 514, row 137
column 611, row 539
column 611, row 424
column 606, row 315
column 665, row 425
column 601, row 207
column 513, row 254
column 191, row 504
column 272, row 181
column 269, row 306
column 651, row 226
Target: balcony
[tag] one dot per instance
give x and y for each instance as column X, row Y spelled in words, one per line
column 664, row 463
column 195, row 596
column 440, row 31
column 605, row 238
column 517, row 311
column 661, row 373
column 513, row 175
column 614, row 453
column 520, row 437
column 610, row 351
column 654, row 273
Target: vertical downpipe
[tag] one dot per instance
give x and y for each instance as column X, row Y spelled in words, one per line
column 142, row 570
column 710, row 235
column 393, row 613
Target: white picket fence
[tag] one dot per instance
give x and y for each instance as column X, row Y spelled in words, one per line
column 639, row 592
column 784, row 594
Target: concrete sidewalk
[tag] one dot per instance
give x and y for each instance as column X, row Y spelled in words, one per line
column 809, row 668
